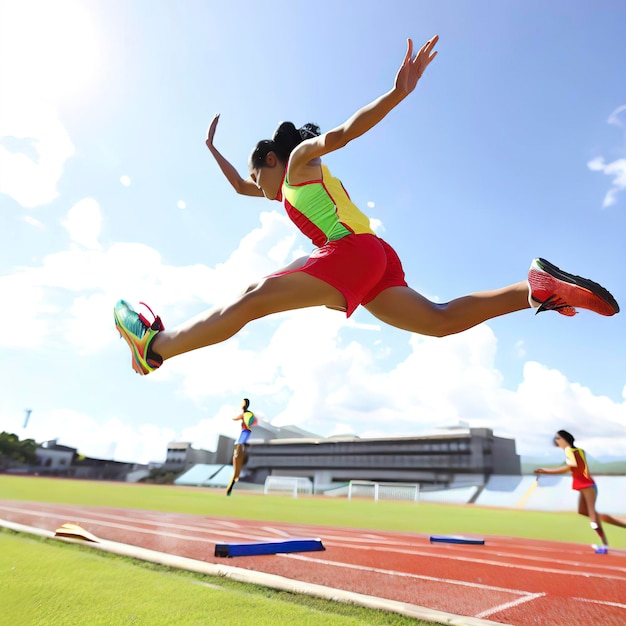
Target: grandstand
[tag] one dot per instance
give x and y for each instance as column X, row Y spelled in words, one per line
column 204, row 475
column 459, row 457
column 457, row 466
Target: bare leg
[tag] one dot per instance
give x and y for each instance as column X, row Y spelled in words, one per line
column 587, row 506
column 272, row 295
column 404, row 308
column 239, row 458
column 609, row 519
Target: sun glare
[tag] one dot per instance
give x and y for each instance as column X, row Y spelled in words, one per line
column 48, row 49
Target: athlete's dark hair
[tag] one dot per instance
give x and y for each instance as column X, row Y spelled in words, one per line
column 567, row 436
column 246, row 404
column 285, row 139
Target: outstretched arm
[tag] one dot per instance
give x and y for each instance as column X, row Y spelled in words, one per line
column 555, row 470
column 367, row 117
column 243, row 186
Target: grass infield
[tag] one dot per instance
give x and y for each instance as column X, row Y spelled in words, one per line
column 48, row 583
column 426, row 518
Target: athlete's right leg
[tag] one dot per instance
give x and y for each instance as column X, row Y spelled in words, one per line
column 404, row 308
column 587, row 506
column 547, row 288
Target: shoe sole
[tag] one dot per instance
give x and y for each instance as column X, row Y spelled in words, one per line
column 133, row 351
column 597, row 290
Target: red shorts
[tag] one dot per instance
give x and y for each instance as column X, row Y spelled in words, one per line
column 358, row 266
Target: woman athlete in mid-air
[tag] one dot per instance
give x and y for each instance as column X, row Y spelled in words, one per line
column 351, row 265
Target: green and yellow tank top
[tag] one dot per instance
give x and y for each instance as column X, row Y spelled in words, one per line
column 322, row 209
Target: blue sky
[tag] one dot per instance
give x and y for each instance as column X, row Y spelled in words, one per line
column 512, row 146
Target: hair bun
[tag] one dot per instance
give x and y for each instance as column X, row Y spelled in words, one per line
column 309, row 130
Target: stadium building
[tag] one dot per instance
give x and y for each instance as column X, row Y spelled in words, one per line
column 456, row 457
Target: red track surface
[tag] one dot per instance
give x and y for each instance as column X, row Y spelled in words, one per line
column 513, row 581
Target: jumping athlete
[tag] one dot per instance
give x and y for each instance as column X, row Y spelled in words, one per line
column 576, row 463
column 351, row 265
column 247, row 419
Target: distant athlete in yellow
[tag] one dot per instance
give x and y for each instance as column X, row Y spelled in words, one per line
column 576, row 463
column 350, row 265
column 247, row 419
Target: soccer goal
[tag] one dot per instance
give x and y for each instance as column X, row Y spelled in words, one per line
column 292, row 485
column 383, row 491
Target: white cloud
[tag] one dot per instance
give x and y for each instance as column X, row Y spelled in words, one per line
column 615, row 169
column 110, row 438
column 30, row 173
column 83, row 223
column 52, row 48
column 33, row 222
column 86, row 281
column 377, row 226
column 617, row 117
column 27, row 328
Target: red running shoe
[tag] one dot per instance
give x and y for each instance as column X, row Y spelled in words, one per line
column 552, row 289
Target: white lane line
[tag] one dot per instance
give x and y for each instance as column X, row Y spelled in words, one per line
column 125, row 518
column 531, row 568
column 517, row 555
column 606, row 603
column 146, row 531
column 387, row 572
column 275, row 531
column 224, row 523
column 509, row 605
column 455, row 552
column 254, row 536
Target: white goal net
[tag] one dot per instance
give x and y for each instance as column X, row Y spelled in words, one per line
column 288, row 485
column 383, row 491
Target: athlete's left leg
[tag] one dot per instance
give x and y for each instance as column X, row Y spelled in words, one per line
column 273, row 294
column 609, row 519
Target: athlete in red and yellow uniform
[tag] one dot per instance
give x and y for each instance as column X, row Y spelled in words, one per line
column 350, row 265
column 349, row 256
column 576, row 463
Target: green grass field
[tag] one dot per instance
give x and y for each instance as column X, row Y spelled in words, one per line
column 46, row 582
column 323, row 511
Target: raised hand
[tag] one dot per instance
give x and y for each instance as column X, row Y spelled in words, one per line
column 211, row 131
column 412, row 68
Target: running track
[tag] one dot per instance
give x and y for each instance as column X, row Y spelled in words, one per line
column 507, row 580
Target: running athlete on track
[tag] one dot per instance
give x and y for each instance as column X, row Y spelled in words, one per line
column 351, row 265
column 576, row 463
column 239, row 455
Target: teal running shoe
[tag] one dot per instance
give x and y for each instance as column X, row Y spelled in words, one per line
column 138, row 333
